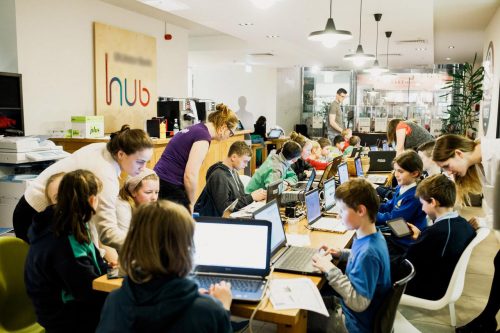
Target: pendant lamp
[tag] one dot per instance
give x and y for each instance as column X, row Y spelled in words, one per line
column 376, row 69
column 330, row 36
column 360, row 57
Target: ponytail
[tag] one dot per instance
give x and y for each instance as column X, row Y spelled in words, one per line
column 129, row 141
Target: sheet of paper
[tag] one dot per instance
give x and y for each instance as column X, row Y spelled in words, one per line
column 298, row 239
column 298, row 293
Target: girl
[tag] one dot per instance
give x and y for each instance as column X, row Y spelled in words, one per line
column 156, row 296
column 180, row 163
column 406, row 134
column 404, row 204
column 140, row 189
column 315, row 158
column 128, row 150
column 301, row 167
column 62, row 261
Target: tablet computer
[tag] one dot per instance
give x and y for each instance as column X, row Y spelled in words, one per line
column 399, row 227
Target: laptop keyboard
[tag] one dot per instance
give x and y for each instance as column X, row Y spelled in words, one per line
column 298, row 258
column 243, row 285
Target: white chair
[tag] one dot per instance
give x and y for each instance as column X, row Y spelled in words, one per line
column 456, row 285
column 245, row 179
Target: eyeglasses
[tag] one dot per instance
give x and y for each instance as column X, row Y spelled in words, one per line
column 231, row 132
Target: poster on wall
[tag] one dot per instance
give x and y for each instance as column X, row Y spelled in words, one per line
column 125, row 77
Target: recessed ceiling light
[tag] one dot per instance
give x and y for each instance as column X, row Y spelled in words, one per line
column 451, row 47
column 351, row 50
column 447, row 58
column 272, row 36
column 245, row 24
column 420, row 49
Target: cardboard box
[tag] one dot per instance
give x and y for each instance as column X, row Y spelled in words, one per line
column 87, row 126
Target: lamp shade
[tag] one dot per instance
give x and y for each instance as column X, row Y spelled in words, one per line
column 330, row 36
column 360, row 57
column 376, row 69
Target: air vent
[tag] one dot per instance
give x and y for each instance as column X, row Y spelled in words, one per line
column 412, row 41
column 390, row 54
column 261, row 54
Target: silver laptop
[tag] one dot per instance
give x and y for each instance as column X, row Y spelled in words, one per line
column 284, row 257
column 343, row 173
column 298, row 191
column 316, row 221
column 329, row 195
column 233, row 250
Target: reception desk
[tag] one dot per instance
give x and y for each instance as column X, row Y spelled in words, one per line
column 218, row 150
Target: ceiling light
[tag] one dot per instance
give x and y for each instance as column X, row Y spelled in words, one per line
column 451, row 47
column 388, row 34
column 272, row 36
column 245, row 24
column 376, row 69
column 360, row 57
column 447, row 58
column 330, row 36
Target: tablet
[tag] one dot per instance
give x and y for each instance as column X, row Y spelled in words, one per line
column 399, row 227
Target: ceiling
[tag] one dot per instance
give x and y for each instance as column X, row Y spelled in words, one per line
column 422, row 30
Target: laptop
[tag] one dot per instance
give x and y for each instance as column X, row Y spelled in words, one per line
column 298, row 191
column 385, row 146
column 233, row 250
column 314, row 218
column 330, row 171
column 343, row 173
column 274, row 133
column 274, row 190
column 240, row 126
column 285, row 258
column 355, row 152
column 329, row 194
column 381, row 161
column 359, row 167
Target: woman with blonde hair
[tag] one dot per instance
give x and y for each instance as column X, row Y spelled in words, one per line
column 180, row 163
column 156, row 295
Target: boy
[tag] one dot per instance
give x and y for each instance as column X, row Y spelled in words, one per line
column 367, row 279
column 354, row 142
column 425, row 153
column 224, row 185
column 325, row 145
column 276, row 166
column 338, row 146
column 438, row 248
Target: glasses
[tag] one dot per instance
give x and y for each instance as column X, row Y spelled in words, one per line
column 231, row 132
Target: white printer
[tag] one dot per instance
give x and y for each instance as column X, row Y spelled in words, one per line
column 16, row 150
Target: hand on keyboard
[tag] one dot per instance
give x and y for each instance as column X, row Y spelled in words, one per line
column 221, row 291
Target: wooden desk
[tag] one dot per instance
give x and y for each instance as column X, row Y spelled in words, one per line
column 262, row 147
column 278, row 142
column 288, row 321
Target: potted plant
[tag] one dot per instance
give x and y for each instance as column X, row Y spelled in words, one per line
column 466, row 89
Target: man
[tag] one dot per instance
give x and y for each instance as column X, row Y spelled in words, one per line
column 335, row 117
column 224, row 184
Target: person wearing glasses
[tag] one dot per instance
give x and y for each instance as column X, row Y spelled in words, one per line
column 335, row 124
column 180, row 163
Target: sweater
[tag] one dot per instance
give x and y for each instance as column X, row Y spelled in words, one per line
column 317, row 164
column 415, row 134
column 274, row 168
column 95, row 158
column 435, row 254
column 223, row 186
column 300, row 167
column 58, row 276
column 164, row 304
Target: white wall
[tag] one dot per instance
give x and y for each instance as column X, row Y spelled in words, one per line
column 289, row 98
column 55, row 56
column 492, row 33
column 8, row 47
column 226, row 84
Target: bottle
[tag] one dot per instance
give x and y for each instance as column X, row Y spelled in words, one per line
column 176, row 126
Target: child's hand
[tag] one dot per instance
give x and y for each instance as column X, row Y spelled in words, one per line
column 222, row 291
column 259, row 195
column 334, row 252
column 322, row 262
column 415, row 231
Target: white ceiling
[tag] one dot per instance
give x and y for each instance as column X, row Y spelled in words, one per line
column 216, row 38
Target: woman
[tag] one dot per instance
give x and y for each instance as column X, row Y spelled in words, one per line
column 474, row 165
column 406, row 134
column 128, row 150
column 260, row 127
column 156, row 295
column 180, row 163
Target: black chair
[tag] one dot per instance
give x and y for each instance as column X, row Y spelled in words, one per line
column 302, row 129
column 384, row 318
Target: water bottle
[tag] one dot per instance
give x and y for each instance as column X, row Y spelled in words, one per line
column 176, row 126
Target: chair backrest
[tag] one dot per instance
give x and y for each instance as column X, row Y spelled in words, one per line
column 456, row 285
column 384, row 318
column 17, row 310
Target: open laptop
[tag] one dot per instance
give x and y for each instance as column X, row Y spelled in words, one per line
column 284, row 257
column 330, row 171
column 274, row 190
column 343, row 173
column 355, row 152
column 274, row 133
column 329, row 195
column 298, row 191
column 381, row 161
column 359, row 167
column 316, row 221
column 216, row 258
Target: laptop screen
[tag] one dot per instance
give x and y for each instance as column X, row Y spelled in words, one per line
column 274, row 190
column 359, row 167
column 343, row 174
column 310, row 180
column 271, row 212
column 236, row 245
column 274, row 134
column 312, row 205
column 329, row 193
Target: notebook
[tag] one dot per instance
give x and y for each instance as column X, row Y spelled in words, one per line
column 316, row 221
column 343, row 173
column 285, row 258
column 329, row 194
column 234, row 250
column 298, row 191
column 381, row 161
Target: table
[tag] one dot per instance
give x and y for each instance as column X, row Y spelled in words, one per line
column 288, row 321
column 278, row 142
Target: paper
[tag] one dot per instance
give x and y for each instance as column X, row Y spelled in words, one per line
column 380, row 124
column 298, row 293
column 298, row 239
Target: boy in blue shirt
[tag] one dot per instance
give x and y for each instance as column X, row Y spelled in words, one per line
column 367, row 279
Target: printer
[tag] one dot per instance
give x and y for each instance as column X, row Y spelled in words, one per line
column 16, row 150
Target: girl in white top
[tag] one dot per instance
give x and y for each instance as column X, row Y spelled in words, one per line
column 140, row 189
column 128, row 150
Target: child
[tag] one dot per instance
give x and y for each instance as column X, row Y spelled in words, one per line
column 276, row 166
column 354, row 142
column 137, row 190
column 301, row 168
column 224, row 185
column 315, row 158
column 367, row 279
column 326, row 145
column 437, row 249
column 336, row 149
column 404, row 204
column 156, row 295
column 425, row 152
column 346, row 135
column 62, row 261
column 52, row 186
